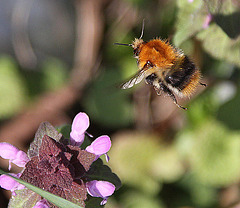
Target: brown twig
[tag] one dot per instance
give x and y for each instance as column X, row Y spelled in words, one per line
column 20, row 38
column 89, row 32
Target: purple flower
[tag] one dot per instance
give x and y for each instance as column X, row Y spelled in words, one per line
column 16, row 156
column 100, row 146
column 42, row 204
column 207, row 21
column 13, row 154
column 79, row 126
column 102, row 189
column 10, row 184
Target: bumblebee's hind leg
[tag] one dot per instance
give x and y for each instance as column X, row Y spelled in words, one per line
column 165, row 89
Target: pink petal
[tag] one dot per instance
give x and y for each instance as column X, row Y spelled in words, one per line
column 16, row 156
column 79, row 127
column 21, row 159
column 9, row 183
column 101, row 189
column 76, row 138
column 207, row 21
column 42, row 204
column 8, row 151
column 100, row 146
column 80, row 123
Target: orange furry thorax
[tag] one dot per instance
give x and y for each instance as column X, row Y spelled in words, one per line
column 157, row 51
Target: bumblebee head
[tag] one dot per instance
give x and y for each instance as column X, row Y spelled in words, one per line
column 137, row 42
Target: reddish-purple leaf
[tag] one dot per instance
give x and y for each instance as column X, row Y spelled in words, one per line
column 81, row 160
column 45, row 128
column 59, row 169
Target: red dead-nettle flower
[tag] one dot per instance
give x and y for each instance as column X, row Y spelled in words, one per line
column 58, row 167
column 79, row 126
column 99, row 146
column 16, row 156
column 102, row 189
column 207, row 21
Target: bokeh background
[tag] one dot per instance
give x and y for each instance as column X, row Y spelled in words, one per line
column 57, row 58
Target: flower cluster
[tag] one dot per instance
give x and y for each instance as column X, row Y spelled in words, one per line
column 59, row 165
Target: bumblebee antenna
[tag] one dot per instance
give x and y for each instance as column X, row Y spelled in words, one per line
column 124, row 44
column 142, row 29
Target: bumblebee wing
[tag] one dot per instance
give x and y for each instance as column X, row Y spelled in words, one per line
column 133, row 80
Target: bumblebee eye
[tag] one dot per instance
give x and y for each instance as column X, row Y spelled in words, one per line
column 136, row 51
column 169, row 79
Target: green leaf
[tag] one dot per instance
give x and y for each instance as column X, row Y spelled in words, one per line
column 139, row 3
column 132, row 156
column 211, row 103
column 58, row 201
column 24, row 198
column 219, row 45
column 64, row 130
column 227, row 113
column 216, row 7
column 99, row 171
column 54, row 74
column 107, row 104
column 141, row 200
column 93, row 202
column 192, row 16
column 167, row 164
column 12, row 88
column 190, row 20
column 213, row 153
column 229, row 24
column 203, row 108
column 201, row 195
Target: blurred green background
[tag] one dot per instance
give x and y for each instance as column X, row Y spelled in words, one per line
column 57, row 58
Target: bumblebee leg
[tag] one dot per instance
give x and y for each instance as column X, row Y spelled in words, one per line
column 205, row 85
column 165, row 89
column 152, row 79
column 157, row 89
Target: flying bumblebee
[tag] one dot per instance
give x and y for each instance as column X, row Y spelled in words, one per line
column 164, row 67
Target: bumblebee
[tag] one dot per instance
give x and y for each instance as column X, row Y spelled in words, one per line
column 164, row 67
